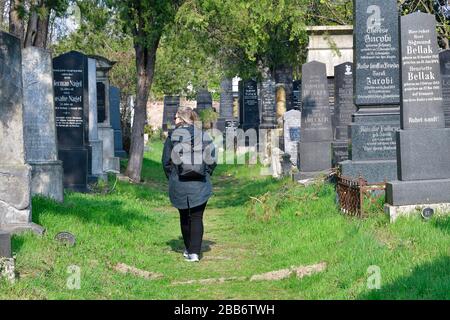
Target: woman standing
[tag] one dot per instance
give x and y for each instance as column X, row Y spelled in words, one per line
column 189, row 161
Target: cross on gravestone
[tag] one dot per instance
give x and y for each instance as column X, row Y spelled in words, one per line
column 444, row 57
column 376, row 92
column 114, row 102
column 316, row 131
column 71, row 105
column 424, row 142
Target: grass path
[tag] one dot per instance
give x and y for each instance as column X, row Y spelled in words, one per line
column 288, row 226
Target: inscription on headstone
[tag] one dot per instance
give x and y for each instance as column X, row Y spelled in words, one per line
column 376, row 52
column 250, row 109
column 297, row 95
column 344, row 106
column 268, row 104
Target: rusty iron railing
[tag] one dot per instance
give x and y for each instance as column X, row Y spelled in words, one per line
column 353, row 192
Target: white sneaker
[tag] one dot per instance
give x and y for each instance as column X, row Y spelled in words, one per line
column 192, row 258
column 185, row 254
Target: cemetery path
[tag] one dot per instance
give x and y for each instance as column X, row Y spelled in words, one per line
column 129, row 246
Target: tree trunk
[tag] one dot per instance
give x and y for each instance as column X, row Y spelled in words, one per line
column 30, row 34
column 145, row 64
column 43, row 25
column 2, row 11
column 16, row 26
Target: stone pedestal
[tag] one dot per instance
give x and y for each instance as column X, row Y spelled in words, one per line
column 373, row 154
column 40, row 127
column 15, row 174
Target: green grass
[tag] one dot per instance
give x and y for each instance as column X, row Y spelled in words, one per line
column 253, row 225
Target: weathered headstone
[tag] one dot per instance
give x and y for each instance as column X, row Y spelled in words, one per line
column 71, row 105
column 376, row 92
column 268, row 104
column 424, row 142
column 204, row 100
column 226, row 117
column 39, row 124
column 111, row 163
column 249, row 110
column 344, row 108
column 297, row 95
column 114, row 103
column 444, row 57
column 292, row 124
column 316, row 132
column 96, row 145
column 15, row 174
column 171, row 105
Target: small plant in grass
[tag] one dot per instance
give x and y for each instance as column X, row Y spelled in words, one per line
column 208, row 116
column 104, row 186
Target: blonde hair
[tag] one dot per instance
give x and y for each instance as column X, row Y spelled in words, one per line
column 188, row 115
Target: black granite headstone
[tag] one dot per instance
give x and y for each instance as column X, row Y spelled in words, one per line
column 114, row 106
column 444, row 57
column 70, row 85
column 316, row 131
column 249, row 110
column 204, row 100
column 297, row 95
column 376, row 52
column 268, row 104
column 171, row 105
column 101, row 102
column 424, row 142
column 226, row 104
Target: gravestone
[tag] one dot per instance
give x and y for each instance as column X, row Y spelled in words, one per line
column 316, row 132
column 284, row 78
column 297, row 95
column 249, row 110
column 111, row 163
column 15, row 174
column 331, row 103
column 444, row 58
column 5, row 245
column 344, row 108
column 292, row 124
column 171, row 105
column 71, row 108
column 376, row 92
column 39, row 124
column 114, row 102
column 268, row 104
column 204, row 100
column 96, row 145
column 424, row 142
column 226, row 117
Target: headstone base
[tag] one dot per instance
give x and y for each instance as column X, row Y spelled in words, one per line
column 314, row 156
column 75, row 164
column 401, row 193
column 110, row 162
column 19, row 228
column 5, row 245
column 394, row 212
column 97, row 158
column 340, row 151
column 374, row 171
column 46, row 180
column 298, row 176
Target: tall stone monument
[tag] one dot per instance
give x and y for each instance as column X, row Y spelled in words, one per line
column 444, row 57
column 114, row 103
column 226, row 117
column 171, row 105
column 39, row 124
column 72, row 112
column 376, row 92
column 344, row 108
column 316, row 133
column 96, row 145
column 297, row 95
column 15, row 174
column 423, row 141
column 268, row 104
column 105, row 130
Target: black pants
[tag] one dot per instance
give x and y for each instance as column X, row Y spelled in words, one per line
column 191, row 221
